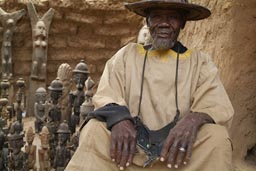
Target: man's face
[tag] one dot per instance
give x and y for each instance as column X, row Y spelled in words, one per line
column 164, row 26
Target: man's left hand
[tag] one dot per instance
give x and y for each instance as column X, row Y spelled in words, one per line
column 178, row 146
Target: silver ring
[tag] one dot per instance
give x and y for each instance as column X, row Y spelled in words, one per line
column 182, row 149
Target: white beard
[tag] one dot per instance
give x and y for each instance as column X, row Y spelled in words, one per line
column 162, row 44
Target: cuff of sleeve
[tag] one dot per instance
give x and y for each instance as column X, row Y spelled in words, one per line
column 118, row 114
column 111, row 114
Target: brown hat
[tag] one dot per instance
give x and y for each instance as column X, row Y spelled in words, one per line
column 192, row 11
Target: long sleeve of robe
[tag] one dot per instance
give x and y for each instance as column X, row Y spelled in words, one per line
column 199, row 86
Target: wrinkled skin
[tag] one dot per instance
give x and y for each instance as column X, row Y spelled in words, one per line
column 183, row 135
column 164, row 26
column 123, row 143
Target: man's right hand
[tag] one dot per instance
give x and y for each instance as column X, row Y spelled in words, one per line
column 123, row 143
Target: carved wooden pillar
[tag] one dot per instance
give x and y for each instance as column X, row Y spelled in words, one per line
column 40, row 31
column 9, row 21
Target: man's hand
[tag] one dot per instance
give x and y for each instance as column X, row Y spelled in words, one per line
column 178, row 146
column 123, row 143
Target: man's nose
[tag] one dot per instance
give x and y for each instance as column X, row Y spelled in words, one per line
column 164, row 22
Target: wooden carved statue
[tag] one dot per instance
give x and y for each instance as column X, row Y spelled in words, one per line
column 65, row 75
column 144, row 36
column 63, row 154
column 17, row 158
column 87, row 106
column 40, row 27
column 44, row 152
column 9, row 21
column 30, row 150
column 3, row 153
column 56, row 89
column 77, row 97
column 5, row 85
column 19, row 106
column 41, row 108
column 5, row 115
column 74, row 142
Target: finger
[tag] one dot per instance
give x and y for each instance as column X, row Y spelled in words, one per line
column 166, row 147
column 119, row 151
column 113, row 149
column 125, row 154
column 181, row 155
column 190, row 147
column 173, row 154
column 188, row 154
column 132, row 152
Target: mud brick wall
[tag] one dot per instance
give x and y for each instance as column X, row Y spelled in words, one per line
column 79, row 31
column 229, row 37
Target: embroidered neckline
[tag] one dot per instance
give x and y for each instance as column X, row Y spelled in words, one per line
column 164, row 54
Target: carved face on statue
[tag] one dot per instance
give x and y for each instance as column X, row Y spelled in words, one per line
column 10, row 23
column 30, row 136
column 79, row 79
column 56, row 89
column 41, row 95
column 40, row 29
column 55, row 95
column 44, row 137
column 63, row 133
column 63, row 138
column 80, row 74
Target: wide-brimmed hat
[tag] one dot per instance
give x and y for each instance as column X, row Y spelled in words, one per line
column 192, row 11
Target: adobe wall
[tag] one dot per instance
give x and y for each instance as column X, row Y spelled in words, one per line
column 88, row 30
column 229, row 37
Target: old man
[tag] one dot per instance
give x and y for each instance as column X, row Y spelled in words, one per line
column 163, row 105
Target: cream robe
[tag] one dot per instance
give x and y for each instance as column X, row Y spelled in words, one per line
column 199, row 90
column 199, row 86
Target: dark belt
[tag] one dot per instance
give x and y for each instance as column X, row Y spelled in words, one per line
column 151, row 141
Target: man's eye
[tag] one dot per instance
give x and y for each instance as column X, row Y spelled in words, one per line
column 174, row 17
column 155, row 16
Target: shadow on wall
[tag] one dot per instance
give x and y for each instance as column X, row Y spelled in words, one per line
column 242, row 85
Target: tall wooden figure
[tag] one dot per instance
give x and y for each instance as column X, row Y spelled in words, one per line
column 30, row 150
column 9, row 21
column 40, row 31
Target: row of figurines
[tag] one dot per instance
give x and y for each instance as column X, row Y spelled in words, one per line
column 55, row 152
column 64, row 104
column 49, row 112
